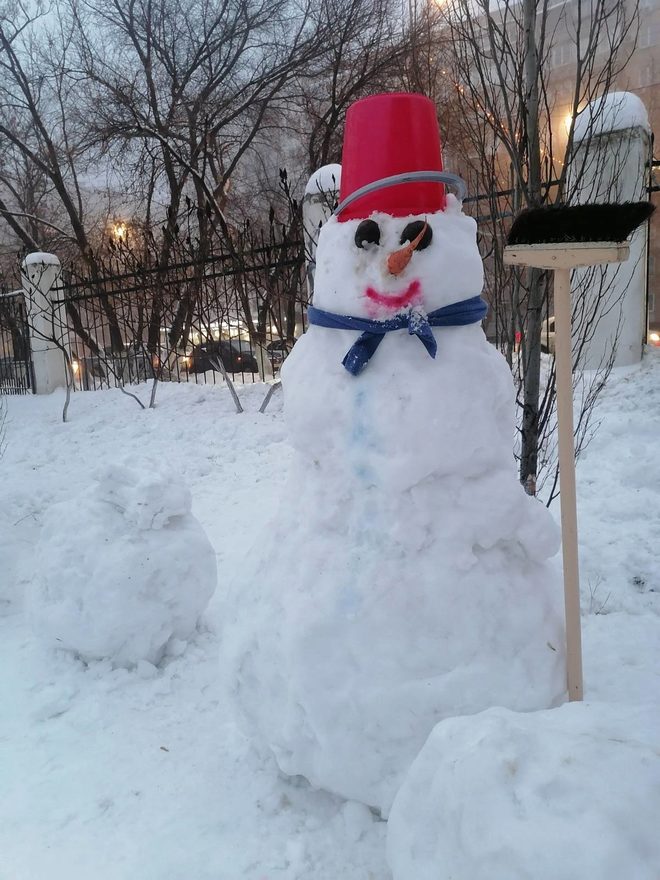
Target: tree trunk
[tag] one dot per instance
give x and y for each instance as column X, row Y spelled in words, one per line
column 532, row 382
column 532, row 360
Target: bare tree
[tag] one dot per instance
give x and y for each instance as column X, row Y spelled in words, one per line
column 37, row 97
column 505, row 68
column 25, row 198
column 365, row 48
column 185, row 91
column 189, row 84
column 36, row 125
column 180, row 90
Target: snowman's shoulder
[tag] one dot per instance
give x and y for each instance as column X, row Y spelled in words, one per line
column 318, row 347
column 472, row 341
column 490, row 350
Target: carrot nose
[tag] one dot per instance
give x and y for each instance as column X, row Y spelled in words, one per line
column 398, row 260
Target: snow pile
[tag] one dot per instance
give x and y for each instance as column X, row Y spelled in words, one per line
column 10, row 554
column 614, row 111
column 40, row 258
column 326, row 179
column 567, row 793
column 407, row 577
column 142, row 773
column 122, row 571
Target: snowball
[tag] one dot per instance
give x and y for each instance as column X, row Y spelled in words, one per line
column 123, row 570
column 568, row 793
column 407, row 576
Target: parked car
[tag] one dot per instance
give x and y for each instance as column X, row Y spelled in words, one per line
column 277, row 351
column 89, row 371
column 236, row 356
column 134, row 363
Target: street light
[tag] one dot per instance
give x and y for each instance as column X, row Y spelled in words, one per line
column 120, row 231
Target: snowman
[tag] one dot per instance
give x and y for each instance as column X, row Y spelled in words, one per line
column 407, row 576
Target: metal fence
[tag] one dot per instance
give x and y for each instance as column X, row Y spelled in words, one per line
column 15, row 361
column 132, row 318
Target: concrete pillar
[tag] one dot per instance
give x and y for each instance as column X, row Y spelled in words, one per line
column 321, row 195
column 40, row 276
column 612, row 138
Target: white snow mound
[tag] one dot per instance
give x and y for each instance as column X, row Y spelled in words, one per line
column 562, row 794
column 122, row 569
column 613, row 111
column 326, row 179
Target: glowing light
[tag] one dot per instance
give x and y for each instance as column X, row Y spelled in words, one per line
column 568, row 122
column 120, row 231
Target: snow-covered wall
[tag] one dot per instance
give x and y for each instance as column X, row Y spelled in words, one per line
column 40, row 277
column 612, row 137
column 321, row 192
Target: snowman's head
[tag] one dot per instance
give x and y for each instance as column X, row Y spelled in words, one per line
column 379, row 266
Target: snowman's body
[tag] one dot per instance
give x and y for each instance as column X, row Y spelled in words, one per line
column 407, row 577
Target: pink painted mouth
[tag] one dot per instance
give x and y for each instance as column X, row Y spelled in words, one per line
column 397, row 300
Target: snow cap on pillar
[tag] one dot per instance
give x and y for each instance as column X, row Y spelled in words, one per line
column 391, row 134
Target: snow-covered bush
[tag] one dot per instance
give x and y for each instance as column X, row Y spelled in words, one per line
column 122, row 570
column 562, row 794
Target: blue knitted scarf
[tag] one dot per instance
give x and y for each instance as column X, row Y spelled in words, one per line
column 469, row 311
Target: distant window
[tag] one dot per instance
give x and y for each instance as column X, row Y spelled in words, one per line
column 649, row 35
column 562, row 53
column 645, row 76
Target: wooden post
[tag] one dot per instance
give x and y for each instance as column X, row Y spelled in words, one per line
column 561, row 258
column 567, row 495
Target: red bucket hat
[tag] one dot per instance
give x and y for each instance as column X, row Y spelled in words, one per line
column 392, row 158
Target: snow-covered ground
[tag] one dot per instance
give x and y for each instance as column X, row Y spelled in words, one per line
column 118, row 774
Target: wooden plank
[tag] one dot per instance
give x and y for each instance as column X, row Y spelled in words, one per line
column 566, row 255
column 567, row 493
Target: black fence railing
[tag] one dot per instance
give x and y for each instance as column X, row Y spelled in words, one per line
column 15, row 360
column 130, row 319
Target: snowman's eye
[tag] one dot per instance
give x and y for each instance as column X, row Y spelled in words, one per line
column 368, row 232
column 411, row 232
